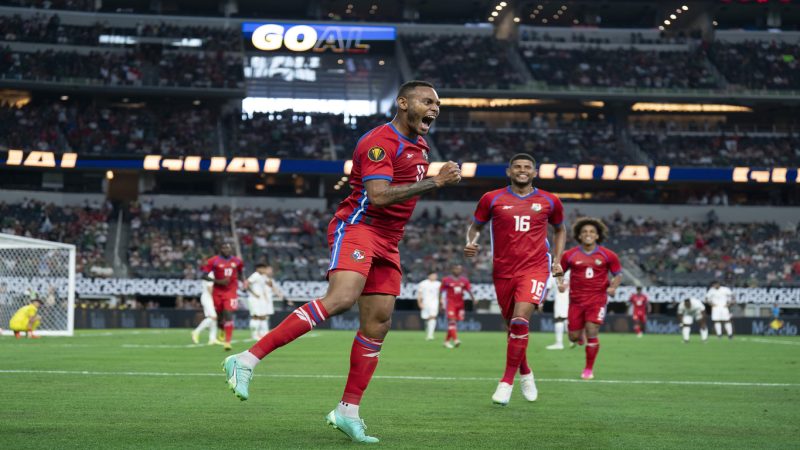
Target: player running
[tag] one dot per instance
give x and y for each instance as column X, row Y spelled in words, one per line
column 519, row 215
column 227, row 269
column 388, row 175
column 428, row 302
column 641, row 306
column 210, row 313
column 689, row 311
column 560, row 288
column 451, row 295
column 720, row 298
column 589, row 288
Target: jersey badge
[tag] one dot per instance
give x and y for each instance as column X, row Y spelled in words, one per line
column 597, row 262
column 376, row 154
column 536, row 207
column 358, row 255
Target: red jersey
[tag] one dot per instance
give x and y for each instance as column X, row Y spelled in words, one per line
column 518, row 229
column 453, row 289
column 384, row 154
column 589, row 273
column 225, row 267
column 639, row 302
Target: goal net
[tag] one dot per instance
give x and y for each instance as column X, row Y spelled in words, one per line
column 33, row 268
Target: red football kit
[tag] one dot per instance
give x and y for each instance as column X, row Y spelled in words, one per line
column 639, row 302
column 454, row 289
column 588, row 283
column 518, row 230
column 225, row 297
column 364, row 238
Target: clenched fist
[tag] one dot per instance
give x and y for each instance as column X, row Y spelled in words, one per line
column 450, row 173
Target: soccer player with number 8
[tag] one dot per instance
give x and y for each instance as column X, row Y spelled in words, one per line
column 589, row 287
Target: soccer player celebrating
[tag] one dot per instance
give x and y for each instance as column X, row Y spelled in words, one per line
column 641, row 306
column 519, row 215
column 428, row 302
column 210, row 313
column 689, row 310
column 227, row 269
column 560, row 288
column 388, row 175
column 720, row 298
column 590, row 265
column 26, row 319
column 452, row 289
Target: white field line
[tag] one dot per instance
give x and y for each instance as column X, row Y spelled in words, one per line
column 397, row 377
column 769, row 341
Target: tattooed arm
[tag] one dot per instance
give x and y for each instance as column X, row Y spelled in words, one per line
column 381, row 194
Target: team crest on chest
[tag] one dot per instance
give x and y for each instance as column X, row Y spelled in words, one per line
column 536, row 207
column 597, row 262
column 358, row 255
column 376, row 154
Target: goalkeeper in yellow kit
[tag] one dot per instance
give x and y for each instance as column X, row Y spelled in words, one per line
column 26, row 319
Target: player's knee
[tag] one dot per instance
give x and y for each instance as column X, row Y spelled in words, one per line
column 377, row 328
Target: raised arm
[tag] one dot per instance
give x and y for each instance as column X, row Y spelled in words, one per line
column 382, row 194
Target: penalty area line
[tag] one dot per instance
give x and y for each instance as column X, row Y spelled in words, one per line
column 400, row 377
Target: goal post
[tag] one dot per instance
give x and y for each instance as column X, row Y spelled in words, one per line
column 34, row 268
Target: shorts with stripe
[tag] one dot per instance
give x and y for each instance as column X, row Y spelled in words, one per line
column 528, row 288
column 368, row 250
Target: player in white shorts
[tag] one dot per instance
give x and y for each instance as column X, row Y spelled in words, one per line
column 689, row 311
column 559, row 286
column 720, row 298
column 261, row 294
column 428, row 302
column 210, row 320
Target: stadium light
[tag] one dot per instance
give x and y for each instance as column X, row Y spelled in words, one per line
column 516, row 19
column 685, row 8
column 688, row 107
column 491, row 19
column 503, row 4
column 498, row 7
column 673, row 16
column 544, row 20
column 715, row 23
column 109, row 175
column 661, row 27
column 65, row 97
column 495, row 13
column 540, row 7
column 667, row 22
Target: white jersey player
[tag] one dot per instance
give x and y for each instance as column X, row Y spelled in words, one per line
column 261, row 293
column 428, row 302
column 692, row 310
column 210, row 320
column 559, row 286
column 720, row 298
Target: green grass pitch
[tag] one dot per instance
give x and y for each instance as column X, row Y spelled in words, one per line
column 153, row 389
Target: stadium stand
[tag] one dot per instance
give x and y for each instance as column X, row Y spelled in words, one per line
column 770, row 64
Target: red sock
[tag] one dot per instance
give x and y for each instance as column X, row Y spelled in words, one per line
column 363, row 361
column 517, row 345
column 228, row 327
column 451, row 331
column 592, row 347
column 524, row 368
column 296, row 324
column 637, row 328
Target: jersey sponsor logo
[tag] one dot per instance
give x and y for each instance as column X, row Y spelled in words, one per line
column 597, row 262
column 376, row 154
column 578, row 263
column 536, row 207
column 508, row 206
column 409, row 156
column 358, row 255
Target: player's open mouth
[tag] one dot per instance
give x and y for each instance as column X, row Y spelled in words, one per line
column 426, row 121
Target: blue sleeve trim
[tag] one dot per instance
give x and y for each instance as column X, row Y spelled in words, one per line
column 474, row 219
column 377, row 177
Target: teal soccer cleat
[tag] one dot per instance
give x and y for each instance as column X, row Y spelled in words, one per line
column 353, row 428
column 237, row 376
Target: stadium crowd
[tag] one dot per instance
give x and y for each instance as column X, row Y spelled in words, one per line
column 111, row 129
column 721, row 149
column 462, row 62
column 758, row 64
column 142, row 67
column 48, row 29
column 629, row 68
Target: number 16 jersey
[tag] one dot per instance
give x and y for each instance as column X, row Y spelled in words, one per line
column 518, row 229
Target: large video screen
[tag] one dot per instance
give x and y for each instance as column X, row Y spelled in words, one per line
column 283, row 37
